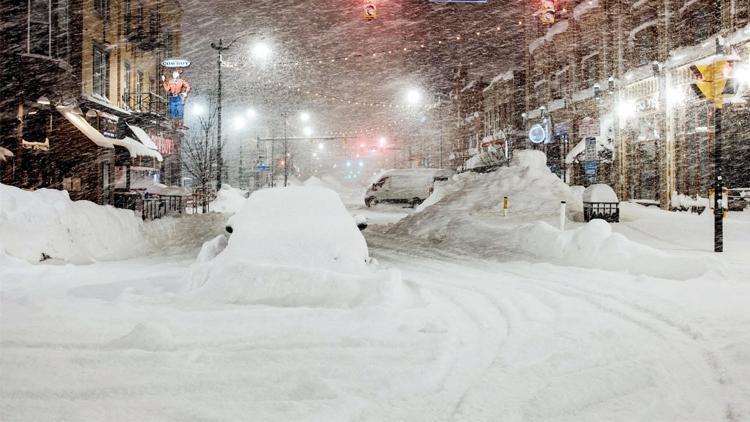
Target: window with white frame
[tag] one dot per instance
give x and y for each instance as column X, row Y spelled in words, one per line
column 100, row 72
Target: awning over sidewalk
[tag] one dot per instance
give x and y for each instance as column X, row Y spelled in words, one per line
column 143, row 137
column 137, row 149
column 81, row 124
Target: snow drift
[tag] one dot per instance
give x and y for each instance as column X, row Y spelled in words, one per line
column 467, row 215
column 533, row 191
column 45, row 224
column 294, row 246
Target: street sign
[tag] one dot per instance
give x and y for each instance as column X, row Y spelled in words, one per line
column 175, row 63
column 589, row 169
column 263, row 168
column 537, row 134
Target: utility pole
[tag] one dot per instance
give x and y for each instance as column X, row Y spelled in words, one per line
column 718, row 177
column 286, row 152
column 219, row 159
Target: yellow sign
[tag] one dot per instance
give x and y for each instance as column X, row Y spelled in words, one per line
column 714, row 81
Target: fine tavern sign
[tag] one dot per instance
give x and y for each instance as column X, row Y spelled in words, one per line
column 175, row 63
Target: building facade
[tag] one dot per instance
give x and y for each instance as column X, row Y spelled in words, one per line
column 82, row 106
column 617, row 72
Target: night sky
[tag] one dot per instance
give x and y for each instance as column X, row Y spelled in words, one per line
column 314, row 30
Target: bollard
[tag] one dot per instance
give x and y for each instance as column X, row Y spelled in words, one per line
column 562, row 215
column 505, row 206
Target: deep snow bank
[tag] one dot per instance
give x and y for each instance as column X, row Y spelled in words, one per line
column 46, row 223
column 467, row 214
column 533, row 191
column 594, row 245
column 294, row 246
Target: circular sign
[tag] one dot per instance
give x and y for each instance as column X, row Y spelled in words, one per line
column 537, row 134
column 175, row 63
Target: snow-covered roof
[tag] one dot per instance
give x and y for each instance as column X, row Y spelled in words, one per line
column 137, row 149
column 143, row 137
column 81, row 124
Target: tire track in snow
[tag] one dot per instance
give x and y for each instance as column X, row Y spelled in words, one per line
column 646, row 318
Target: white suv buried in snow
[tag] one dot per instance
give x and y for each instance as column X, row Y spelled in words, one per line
column 410, row 186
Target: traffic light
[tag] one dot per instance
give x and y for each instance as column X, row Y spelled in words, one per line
column 715, row 81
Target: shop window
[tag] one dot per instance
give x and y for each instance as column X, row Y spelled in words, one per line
column 100, row 72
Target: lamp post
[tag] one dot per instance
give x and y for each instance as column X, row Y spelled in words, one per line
column 220, row 48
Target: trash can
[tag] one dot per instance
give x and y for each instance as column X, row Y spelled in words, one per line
column 600, row 201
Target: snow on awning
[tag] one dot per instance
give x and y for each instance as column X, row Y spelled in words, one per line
column 143, row 137
column 81, row 124
column 5, row 153
column 137, row 149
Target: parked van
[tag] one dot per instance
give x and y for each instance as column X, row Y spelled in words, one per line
column 410, row 186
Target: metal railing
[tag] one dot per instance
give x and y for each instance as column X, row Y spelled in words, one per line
column 147, row 102
column 150, row 207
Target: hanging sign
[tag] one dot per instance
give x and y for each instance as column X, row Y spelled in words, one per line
column 175, row 63
column 537, row 134
column 547, row 12
column 371, row 11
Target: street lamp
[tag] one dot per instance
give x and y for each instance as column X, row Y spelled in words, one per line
column 220, row 48
column 307, row 130
column 304, row 117
column 413, row 96
column 251, row 113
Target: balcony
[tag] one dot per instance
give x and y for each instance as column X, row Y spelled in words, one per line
column 149, row 103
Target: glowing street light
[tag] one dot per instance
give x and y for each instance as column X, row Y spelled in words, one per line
column 261, row 51
column 304, row 116
column 382, row 141
column 251, row 113
column 321, row 146
column 307, row 130
column 413, row 96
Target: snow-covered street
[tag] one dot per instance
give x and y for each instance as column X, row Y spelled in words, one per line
column 482, row 339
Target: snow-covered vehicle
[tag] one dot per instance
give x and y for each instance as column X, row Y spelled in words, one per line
column 410, row 186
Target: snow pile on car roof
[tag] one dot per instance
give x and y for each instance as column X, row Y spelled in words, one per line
column 228, row 199
column 46, row 224
column 294, row 246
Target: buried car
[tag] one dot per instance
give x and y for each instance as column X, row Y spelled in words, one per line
column 293, row 246
column 410, row 186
